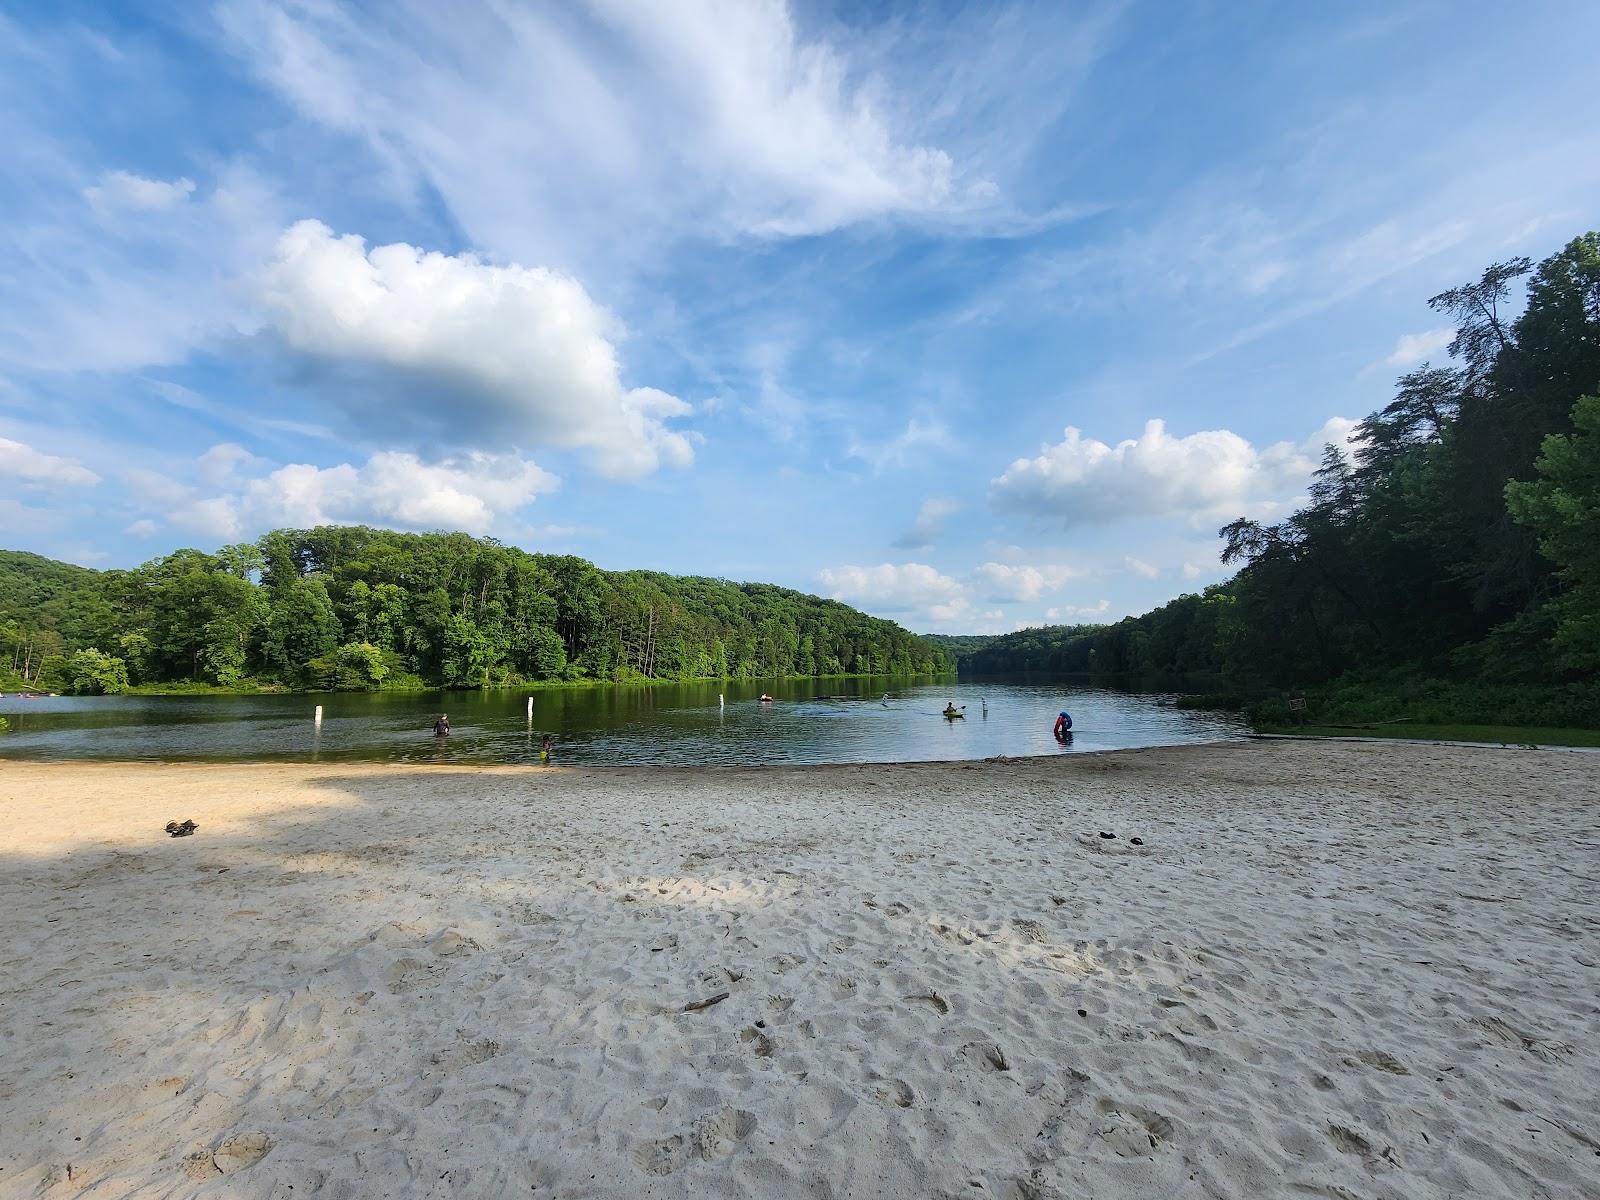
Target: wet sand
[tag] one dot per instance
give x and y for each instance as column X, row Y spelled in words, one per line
column 1330, row 970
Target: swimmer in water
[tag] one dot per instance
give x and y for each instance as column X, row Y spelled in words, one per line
column 441, row 727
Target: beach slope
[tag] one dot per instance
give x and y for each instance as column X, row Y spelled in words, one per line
column 1328, row 970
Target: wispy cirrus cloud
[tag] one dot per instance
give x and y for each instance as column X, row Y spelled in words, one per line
column 724, row 119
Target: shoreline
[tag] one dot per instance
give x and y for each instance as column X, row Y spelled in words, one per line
column 1329, row 968
column 353, row 764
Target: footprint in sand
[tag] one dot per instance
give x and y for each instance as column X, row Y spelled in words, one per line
column 933, row 1000
column 451, row 944
column 410, row 975
column 986, row 1056
column 1348, row 1141
column 466, row 1053
column 894, row 1091
column 719, row 1135
column 661, row 1157
column 1132, row 1132
column 760, row 1044
column 714, row 1137
column 1382, row 1060
column 1031, row 930
column 237, row 1152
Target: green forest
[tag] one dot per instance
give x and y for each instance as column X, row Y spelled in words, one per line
column 1448, row 570
column 352, row 608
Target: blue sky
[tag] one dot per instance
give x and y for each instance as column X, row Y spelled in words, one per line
column 974, row 316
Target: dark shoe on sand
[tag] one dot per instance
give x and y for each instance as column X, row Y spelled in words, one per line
column 183, row 830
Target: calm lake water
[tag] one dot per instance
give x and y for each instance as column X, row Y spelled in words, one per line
column 837, row 720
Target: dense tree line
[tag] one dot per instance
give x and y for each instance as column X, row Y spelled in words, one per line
column 960, row 645
column 358, row 608
column 1460, row 540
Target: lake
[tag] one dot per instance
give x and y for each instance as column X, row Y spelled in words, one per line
column 811, row 721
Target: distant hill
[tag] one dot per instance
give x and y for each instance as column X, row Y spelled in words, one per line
column 960, row 644
column 1054, row 648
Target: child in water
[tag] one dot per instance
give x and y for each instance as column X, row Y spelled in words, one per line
column 545, row 748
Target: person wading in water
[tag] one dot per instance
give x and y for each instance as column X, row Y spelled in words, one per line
column 441, row 727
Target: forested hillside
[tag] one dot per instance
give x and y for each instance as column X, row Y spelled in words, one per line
column 45, row 606
column 352, row 607
column 960, row 644
column 1455, row 555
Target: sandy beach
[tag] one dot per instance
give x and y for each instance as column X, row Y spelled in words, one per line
column 1329, row 970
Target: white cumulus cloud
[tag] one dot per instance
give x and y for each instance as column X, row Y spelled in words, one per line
column 399, row 490
column 474, row 492
column 214, row 517
column 1086, row 612
column 475, row 351
column 1004, row 582
column 929, row 523
column 923, row 594
column 20, row 461
column 224, row 462
column 1214, row 473
column 891, row 587
column 1413, row 348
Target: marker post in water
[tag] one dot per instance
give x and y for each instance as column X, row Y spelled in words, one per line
column 316, row 718
column 530, row 712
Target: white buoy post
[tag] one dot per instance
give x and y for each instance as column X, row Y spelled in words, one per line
column 316, row 717
column 722, row 701
column 530, row 712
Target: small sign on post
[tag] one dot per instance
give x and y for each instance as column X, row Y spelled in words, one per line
column 1297, row 705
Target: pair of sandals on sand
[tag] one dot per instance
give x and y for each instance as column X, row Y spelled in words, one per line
column 181, row 829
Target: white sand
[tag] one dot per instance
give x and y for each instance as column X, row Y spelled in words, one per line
column 1331, row 971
